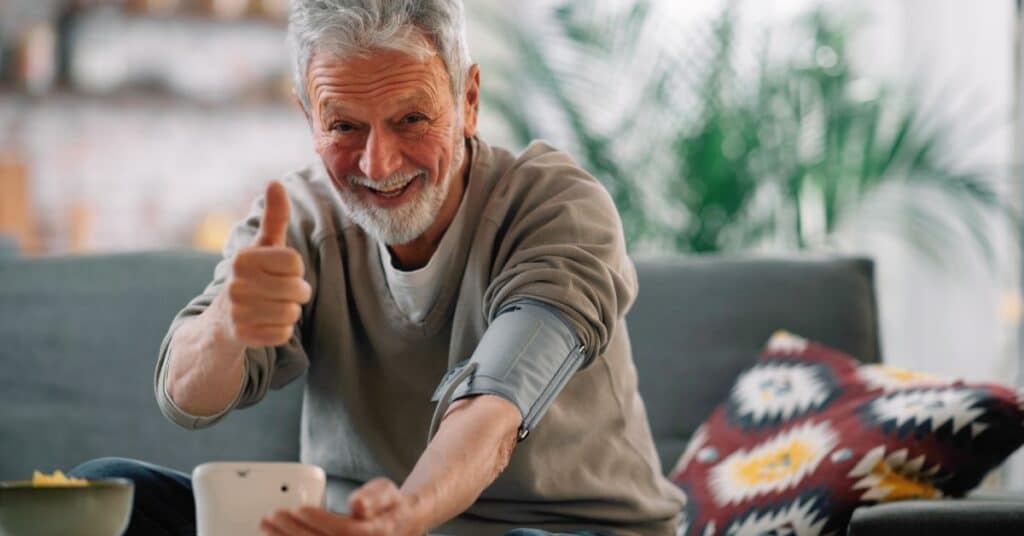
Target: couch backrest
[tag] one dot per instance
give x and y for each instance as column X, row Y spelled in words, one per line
column 78, row 342
column 8, row 247
column 698, row 322
column 79, row 338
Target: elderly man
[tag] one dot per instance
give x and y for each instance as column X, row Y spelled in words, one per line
column 430, row 286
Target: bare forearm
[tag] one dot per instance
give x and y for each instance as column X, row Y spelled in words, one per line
column 205, row 364
column 471, row 448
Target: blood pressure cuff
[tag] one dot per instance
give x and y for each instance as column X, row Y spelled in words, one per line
column 526, row 356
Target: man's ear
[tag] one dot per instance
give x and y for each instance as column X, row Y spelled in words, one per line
column 471, row 102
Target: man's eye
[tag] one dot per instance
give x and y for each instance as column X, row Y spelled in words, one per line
column 343, row 127
column 412, row 119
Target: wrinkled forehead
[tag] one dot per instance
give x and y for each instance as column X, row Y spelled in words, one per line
column 384, row 79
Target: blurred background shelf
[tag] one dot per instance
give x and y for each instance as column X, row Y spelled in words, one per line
column 140, row 96
column 192, row 100
column 107, row 48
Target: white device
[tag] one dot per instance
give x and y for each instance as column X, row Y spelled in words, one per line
column 232, row 497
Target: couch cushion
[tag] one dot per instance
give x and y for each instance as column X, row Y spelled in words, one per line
column 940, row 518
column 698, row 322
column 807, row 435
column 78, row 343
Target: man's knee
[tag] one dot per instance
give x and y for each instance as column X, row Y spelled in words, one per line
column 163, row 497
column 107, row 468
column 137, row 471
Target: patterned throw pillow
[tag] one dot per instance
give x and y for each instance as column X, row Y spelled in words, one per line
column 808, row 434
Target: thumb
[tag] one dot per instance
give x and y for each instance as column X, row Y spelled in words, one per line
column 376, row 496
column 276, row 212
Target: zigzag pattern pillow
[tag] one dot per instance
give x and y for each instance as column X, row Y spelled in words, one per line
column 808, row 434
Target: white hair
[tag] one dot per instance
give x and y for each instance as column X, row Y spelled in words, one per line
column 354, row 27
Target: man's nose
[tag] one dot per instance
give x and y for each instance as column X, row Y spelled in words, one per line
column 381, row 157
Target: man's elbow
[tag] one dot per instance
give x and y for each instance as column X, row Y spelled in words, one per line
column 505, row 447
column 508, row 431
column 493, row 413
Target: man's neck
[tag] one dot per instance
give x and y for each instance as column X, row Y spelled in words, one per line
column 416, row 254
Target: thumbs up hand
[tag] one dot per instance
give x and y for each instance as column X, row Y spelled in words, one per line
column 265, row 290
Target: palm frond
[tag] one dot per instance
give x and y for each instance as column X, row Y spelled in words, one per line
column 703, row 143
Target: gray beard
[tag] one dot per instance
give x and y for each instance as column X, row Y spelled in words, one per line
column 405, row 223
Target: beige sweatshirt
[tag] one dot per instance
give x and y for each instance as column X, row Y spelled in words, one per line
column 530, row 226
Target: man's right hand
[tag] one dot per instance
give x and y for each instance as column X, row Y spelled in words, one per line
column 265, row 290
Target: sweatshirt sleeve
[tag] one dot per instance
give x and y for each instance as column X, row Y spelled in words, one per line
column 265, row 368
column 561, row 243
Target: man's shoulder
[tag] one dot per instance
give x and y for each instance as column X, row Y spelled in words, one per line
column 542, row 158
column 543, row 150
column 543, row 174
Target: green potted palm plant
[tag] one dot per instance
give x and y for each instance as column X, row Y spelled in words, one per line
column 787, row 153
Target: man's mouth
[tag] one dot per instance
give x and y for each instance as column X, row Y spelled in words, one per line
column 395, row 190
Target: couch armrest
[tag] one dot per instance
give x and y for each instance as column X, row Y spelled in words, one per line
column 937, row 518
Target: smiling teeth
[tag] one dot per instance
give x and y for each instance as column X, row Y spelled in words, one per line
column 396, row 189
column 385, row 188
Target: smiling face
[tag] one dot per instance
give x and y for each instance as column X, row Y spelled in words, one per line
column 387, row 128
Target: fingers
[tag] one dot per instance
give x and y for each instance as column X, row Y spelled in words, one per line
column 268, row 529
column 265, row 292
column 285, row 523
column 261, row 336
column 314, row 521
column 265, row 313
column 276, row 212
column 376, row 496
column 318, row 517
column 349, row 526
column 269, row 289
column 257, row 261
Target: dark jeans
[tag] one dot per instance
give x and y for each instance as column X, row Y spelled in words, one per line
column 164, row 505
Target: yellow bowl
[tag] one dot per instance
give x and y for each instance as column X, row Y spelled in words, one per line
column 102, row 508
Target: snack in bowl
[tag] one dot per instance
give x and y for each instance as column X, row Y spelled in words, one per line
column 58, row 504
column 57, row 479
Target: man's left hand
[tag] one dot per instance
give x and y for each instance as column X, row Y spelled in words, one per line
column 377, row 509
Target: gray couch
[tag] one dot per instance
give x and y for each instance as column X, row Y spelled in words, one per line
column 8, row 246
column 79, row 336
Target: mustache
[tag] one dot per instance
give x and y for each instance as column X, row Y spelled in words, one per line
column 394, row 181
